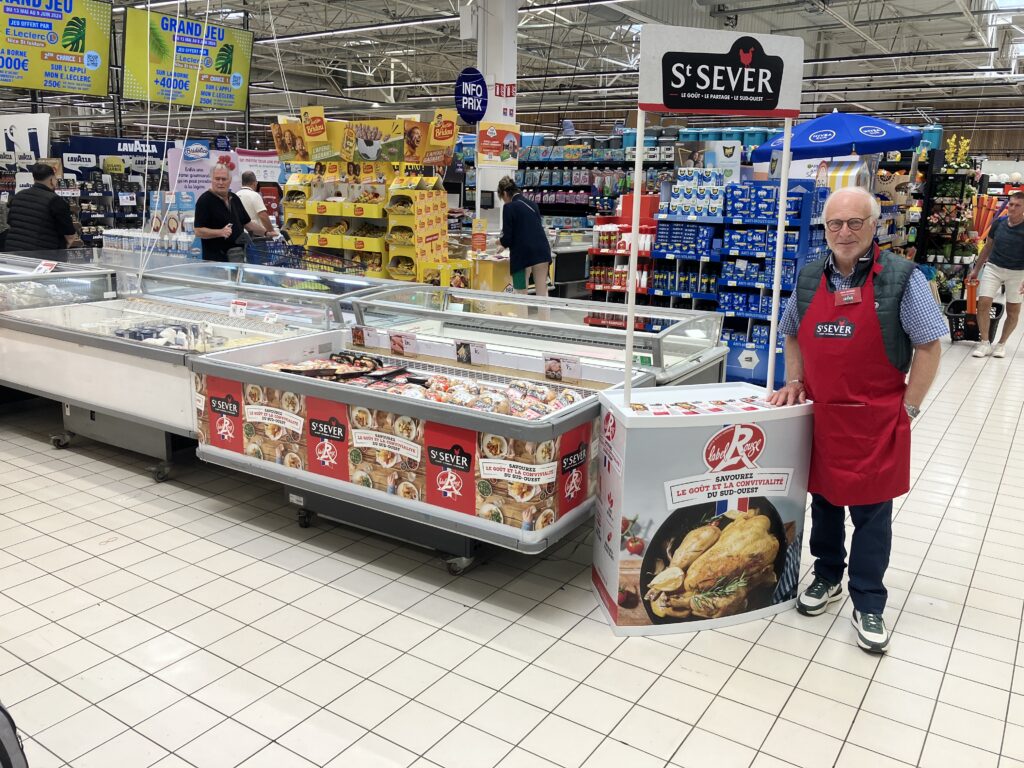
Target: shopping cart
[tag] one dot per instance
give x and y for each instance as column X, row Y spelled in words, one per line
column 273, row 253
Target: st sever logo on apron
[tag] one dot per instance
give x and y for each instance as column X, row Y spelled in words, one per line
column 840, row 328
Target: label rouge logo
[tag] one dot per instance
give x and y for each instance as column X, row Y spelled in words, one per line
column 745, row 78
column 575, row 459
column 454, row 458
column 226, row 406
column 331, row 429
column 609, row 427
column 837, row 329
column 735, row 447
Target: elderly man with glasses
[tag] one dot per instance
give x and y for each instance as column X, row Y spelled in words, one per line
column 862, row 341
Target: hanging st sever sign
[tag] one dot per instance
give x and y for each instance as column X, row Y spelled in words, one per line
column 706, row 71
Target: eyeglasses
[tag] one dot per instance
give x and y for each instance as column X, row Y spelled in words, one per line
column 834, row 225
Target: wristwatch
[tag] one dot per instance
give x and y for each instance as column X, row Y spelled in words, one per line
column 912, row 411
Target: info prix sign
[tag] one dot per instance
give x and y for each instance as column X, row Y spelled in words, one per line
column 471, row 95
column 706, row 71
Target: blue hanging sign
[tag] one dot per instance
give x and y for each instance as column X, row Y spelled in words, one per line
column 471, row 95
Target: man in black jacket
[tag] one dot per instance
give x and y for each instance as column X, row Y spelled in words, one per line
column 38, row 218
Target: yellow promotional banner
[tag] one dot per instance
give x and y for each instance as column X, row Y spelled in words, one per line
column 288, row 141
column 443, row 133
column 186, row 62
column 57, row 45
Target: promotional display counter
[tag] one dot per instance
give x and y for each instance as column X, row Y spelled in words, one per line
column 445, row 415
column 700, row 507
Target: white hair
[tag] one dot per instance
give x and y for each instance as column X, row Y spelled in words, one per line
column 869, row 198
column 221, row 167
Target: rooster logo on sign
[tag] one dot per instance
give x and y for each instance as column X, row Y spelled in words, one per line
column 746, row 57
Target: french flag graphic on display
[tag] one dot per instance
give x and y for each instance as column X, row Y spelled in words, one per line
column 723, row 506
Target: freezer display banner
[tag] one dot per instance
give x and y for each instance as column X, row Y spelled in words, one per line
column 700, row 524
column 327, row 438
column 177, row 60
column 705, row 71
column 450, row 463
column 224, row 414
column 523, row 484
column 57, row 45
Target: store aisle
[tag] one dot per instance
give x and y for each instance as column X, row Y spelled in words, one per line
column 193, row 623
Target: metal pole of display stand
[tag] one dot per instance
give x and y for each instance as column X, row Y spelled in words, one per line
column 247, row 115
column 634, row 248
column 780, row 244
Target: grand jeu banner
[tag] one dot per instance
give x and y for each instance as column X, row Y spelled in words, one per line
column 176, row 60
column 55, row 45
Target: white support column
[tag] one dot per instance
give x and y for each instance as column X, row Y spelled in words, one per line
column 497, row 59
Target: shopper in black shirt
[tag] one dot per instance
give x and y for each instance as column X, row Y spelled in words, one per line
column 522, row 232
column 39, row 219
column 221, row 218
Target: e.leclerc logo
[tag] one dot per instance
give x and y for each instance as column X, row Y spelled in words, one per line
column 733, row 448
column 745, row 78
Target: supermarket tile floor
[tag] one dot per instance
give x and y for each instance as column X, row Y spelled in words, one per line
column 193, row 623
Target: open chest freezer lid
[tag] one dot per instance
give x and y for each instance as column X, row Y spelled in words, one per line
column 695, row 405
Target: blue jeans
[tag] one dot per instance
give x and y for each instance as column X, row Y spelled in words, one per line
column 869, row 550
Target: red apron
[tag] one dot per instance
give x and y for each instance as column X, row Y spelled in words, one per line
column 861, row 450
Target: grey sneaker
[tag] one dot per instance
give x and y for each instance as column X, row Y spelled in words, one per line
column 998, row 350
column 871, row 632
column 983, row 349
column 816, row 597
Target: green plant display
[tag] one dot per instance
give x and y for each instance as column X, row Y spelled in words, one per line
column 225, row 60
column 73, row 38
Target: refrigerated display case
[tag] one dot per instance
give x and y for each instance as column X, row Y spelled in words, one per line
column 117, row 362
column 425, row 445
column 675, row 346
column 277, row 290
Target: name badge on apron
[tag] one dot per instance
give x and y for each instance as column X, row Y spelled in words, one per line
column 847, row 297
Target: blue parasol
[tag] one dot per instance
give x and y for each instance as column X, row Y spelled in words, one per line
column 841, row 133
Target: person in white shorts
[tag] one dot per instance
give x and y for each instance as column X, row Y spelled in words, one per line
column 1003, row 262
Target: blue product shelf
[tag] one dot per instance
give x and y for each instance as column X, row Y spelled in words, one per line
column 727, row 283
column 713, row 256
column 683, row 294
column 689, row 219
column 752, row 254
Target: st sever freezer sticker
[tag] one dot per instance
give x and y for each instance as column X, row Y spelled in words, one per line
column 327, row 438
column 224, row 400
column 731, row 458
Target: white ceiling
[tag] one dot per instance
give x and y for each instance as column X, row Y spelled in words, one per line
column 952, row 62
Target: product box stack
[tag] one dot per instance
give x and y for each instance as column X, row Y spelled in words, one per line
column 680, row 237
column 417, row 234
column 696, row 192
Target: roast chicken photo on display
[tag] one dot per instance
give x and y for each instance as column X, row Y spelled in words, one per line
column 714, row 569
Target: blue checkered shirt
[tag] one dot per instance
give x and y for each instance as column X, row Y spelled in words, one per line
column 920, row 315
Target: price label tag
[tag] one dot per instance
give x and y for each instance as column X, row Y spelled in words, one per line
column 126, row 198
column 358, row 336
column 562, row 368
column 43, row 267
column 471, row 353
column 238, row 308
column 402, row 344
column 270, row 317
